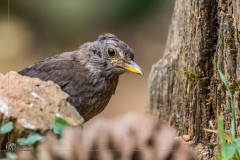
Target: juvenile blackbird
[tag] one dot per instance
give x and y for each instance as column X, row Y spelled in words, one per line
column 89, row 74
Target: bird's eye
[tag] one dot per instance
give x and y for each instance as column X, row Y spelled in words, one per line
column 111, row 52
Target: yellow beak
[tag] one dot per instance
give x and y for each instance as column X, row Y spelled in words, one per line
column 131, row 66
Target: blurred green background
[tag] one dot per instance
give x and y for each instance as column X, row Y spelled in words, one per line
column 39, row 29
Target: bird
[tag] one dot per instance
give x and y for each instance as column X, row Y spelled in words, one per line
column 90, row 74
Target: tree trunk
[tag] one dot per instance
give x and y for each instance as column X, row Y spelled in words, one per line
column 184, row 86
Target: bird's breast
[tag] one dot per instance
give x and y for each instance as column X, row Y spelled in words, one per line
column 92, row 96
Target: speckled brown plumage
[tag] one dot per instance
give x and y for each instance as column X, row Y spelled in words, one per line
column 89, row 74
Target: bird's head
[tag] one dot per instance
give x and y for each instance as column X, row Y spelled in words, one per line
column 112, row 56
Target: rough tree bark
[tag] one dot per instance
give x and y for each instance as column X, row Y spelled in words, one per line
column 184, row 86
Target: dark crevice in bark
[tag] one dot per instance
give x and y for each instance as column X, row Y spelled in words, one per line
column 208, row 49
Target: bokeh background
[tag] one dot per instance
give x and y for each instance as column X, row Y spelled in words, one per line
column 39, row 29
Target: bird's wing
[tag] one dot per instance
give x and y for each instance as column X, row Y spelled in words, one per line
column 59, row 69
